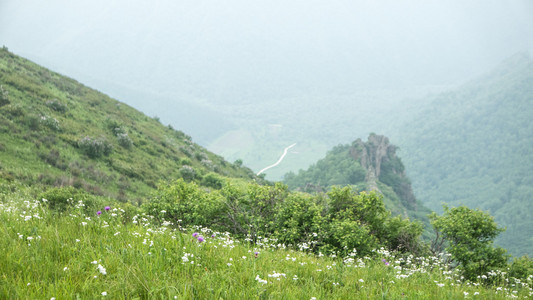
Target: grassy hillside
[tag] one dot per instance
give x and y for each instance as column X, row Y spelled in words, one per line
column 474, row 146
column 55, row 131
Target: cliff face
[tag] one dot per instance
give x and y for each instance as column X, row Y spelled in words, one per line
column 378, row 158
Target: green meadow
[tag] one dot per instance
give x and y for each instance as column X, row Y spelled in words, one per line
column 106, row 249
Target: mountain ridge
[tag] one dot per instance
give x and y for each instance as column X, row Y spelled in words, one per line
column 473, row 146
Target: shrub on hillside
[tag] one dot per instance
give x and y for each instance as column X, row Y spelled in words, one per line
column 300, row 221
column 50, row 122
column 187, row 173
column 61, row 198
column 470, row 234
column 13, row 110
column 361, row 221
column 122, row 137
column 337, row 222
column 32, row 121
column 124, row 140
column 521, row 268
column 185, row 202
column 251, row 211
column 4, row 97
column 56, row 105
column 95, row 147
column 212, row 180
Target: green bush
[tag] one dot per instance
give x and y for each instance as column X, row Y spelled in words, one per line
column 95, row 147
column 4, row 97
column 300, row 221
column 188, row 173
column 213, row 180
column 521, row 268
column 339, row 221
column 61, row 198
column 470, row 235
column 124, row 140
column 32, row 121
column 50, row 122
column 355, row 215
column 186, row 202
column 56, row 105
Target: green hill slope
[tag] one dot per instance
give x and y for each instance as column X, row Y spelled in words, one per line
column 365, row 166
column 55, row 131
column 474, row 146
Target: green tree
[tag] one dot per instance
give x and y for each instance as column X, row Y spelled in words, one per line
column 470, row 234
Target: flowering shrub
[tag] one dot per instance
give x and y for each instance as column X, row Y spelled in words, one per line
column 95, row 147
column 187, row 173
column 50, row 122
column 122, row 137
column 4, row 97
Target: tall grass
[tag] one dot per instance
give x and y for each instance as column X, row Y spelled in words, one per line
column 116, row 254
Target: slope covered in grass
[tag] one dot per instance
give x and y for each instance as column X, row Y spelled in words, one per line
column 55, row 131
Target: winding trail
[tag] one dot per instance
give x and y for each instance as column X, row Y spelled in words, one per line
column 279, row 160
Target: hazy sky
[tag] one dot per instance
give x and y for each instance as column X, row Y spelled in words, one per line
column 224, row 44
column 230, row 51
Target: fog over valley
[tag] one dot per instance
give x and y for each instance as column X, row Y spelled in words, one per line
column 213, row 67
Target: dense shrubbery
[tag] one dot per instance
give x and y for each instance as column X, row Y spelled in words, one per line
column 116, row 252
column 336, row 222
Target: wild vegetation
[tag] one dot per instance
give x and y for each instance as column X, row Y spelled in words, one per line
column 104, row 201
column 88, row 246
column 364, row 166
column 57, row 132
column 473, row 146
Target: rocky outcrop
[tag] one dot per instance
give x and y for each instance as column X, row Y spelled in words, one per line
column 378, row 158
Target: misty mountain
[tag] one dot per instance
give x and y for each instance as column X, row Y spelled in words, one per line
column 242, row 54
column 474, row 146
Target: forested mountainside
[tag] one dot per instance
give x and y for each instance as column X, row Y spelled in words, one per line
column 474, row 146
column 55, row 131
column 368, row 166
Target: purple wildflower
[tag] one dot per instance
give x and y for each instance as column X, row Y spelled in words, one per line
column 213, row 235
column 195, row 234
column 385, row 261
column 200, row 239
column 256, row 253
column 98, row 212
column 107, row 208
